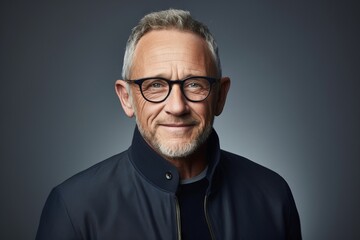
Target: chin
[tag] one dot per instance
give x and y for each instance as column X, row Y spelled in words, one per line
column 179, row 149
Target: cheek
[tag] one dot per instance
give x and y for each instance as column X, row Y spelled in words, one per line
column 141, row 106
column 146, row 112
column 204, row 112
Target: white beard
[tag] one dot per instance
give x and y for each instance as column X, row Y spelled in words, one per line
column 172, row 150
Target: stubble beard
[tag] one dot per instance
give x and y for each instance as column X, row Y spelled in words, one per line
column 172, row 150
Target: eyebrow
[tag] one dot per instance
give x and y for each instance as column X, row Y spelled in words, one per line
column 161, row 75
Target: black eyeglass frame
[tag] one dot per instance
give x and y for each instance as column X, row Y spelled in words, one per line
column 140, row 81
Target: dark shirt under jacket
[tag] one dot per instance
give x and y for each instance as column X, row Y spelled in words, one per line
column 193, row 220
column 132, row 195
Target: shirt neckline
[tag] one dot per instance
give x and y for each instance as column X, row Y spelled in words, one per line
column 196, row 178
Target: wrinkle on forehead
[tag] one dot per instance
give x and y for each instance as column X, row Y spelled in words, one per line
column 171, row 53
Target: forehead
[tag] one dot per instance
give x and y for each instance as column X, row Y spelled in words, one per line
column 171, row 52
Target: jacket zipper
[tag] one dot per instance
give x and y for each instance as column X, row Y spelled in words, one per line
column 178, row 220
column 207, row 218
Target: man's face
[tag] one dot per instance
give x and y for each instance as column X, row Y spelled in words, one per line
column 175, row 127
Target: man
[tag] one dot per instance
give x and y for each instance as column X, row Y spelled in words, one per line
column 174, row 182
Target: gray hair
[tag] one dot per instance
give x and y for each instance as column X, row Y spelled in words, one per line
column 168, row 19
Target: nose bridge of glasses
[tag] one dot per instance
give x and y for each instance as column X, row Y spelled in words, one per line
column 179, row 87
column 178, row 82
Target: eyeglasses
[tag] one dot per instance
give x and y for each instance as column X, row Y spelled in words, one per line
column 157, row 89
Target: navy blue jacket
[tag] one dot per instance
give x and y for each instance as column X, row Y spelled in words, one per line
column 132, row 195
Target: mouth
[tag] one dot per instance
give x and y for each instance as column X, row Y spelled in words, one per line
column 177, row 127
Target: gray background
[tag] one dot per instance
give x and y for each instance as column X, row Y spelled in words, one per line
column 293, row 104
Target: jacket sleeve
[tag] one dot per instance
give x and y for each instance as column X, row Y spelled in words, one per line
column 55, row 222
column 293, row 220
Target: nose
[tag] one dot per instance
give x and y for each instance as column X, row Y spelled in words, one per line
column 176, row 103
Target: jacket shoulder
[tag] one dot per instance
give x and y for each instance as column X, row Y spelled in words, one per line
column 262, row 192
column 241, row 169
column 92, row 179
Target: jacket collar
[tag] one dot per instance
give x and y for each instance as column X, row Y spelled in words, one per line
column 158, row 170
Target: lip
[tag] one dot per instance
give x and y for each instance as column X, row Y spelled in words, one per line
column 177, row 127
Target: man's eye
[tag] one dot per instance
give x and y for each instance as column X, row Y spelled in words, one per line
column 193, row 85
column 156, row 85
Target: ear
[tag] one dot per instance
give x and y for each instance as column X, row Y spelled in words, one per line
column 222, row 94
column 124, row 97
